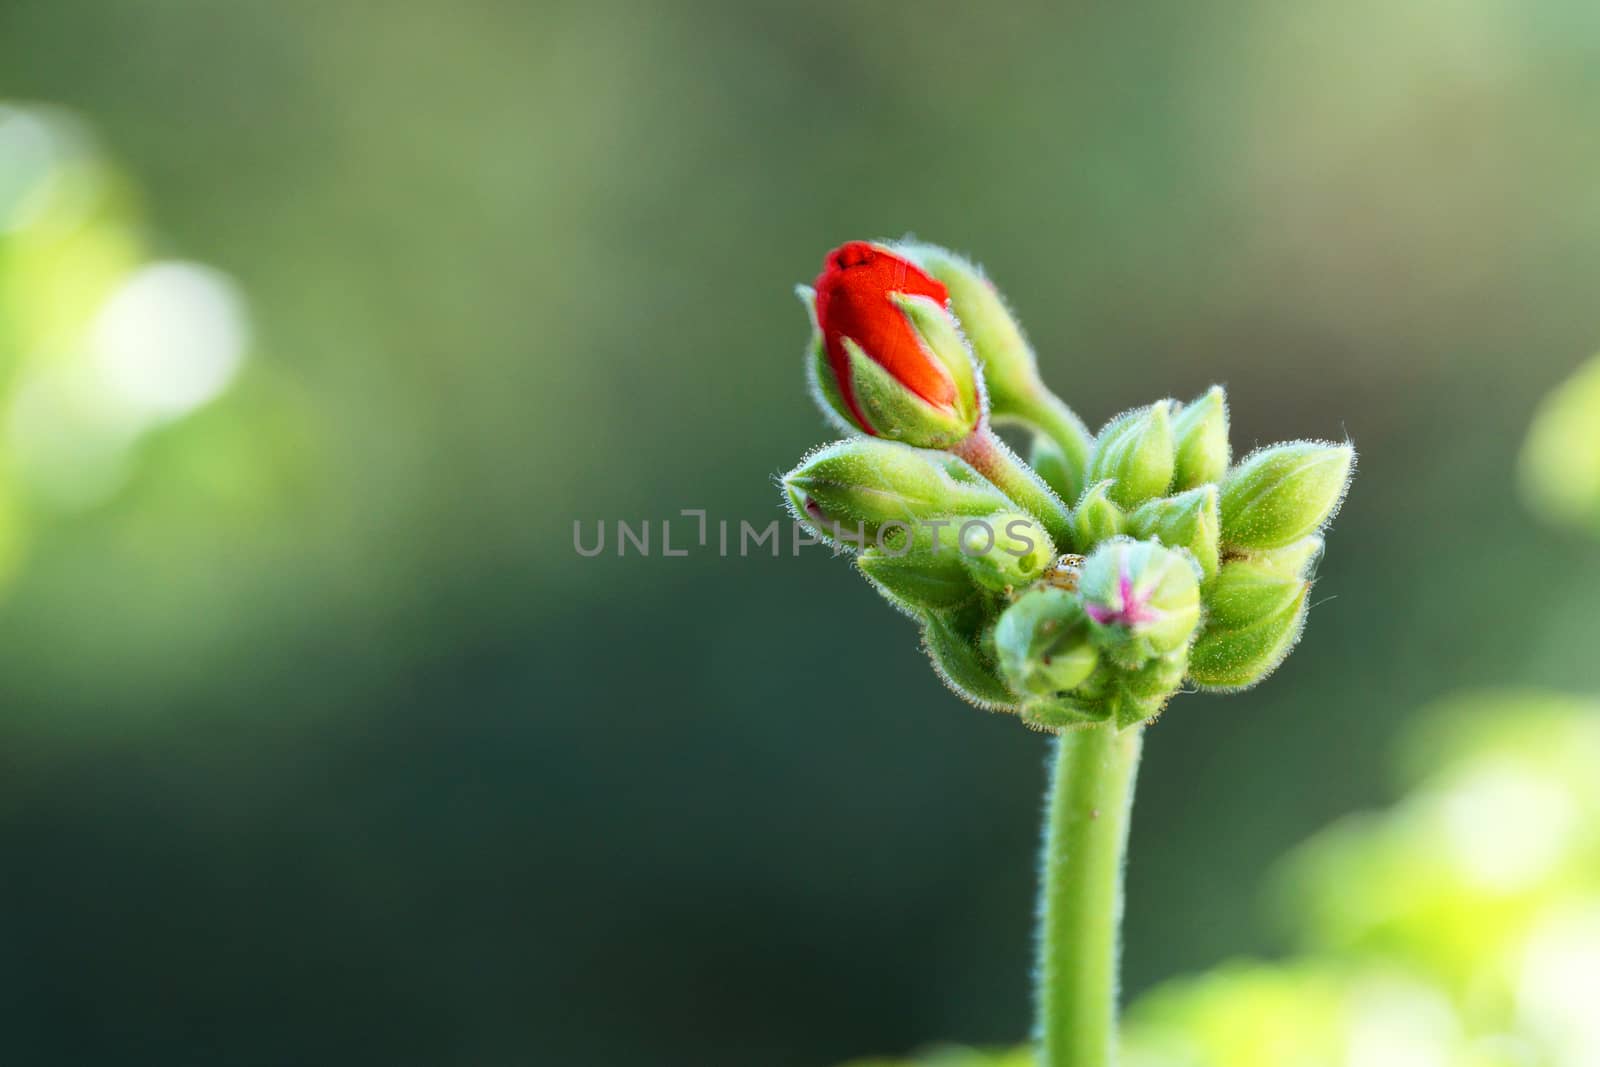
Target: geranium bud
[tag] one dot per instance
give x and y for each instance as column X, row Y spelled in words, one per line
column 1189, row 520
column 1096, row 518
column 1004, row 552
column 855, row 488
column 1043, row 643
column 953, row 642
column 1049, row 462
column 1256, row 614
column 1143, row 600
column 887, row 355
column 1280, row 494
column 1135, row 452
column 1200, row 433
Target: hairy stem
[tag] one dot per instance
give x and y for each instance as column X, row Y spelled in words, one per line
column 1080, row 899
column 1047, row 414
column 990, row 456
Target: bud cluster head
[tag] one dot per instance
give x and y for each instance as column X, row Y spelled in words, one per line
column 1183, row 567
column 1111, row 646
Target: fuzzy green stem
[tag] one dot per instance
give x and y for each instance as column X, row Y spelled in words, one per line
column 990, row 456
column 1051, row 414
column 1080, row 899
column 1046, row 413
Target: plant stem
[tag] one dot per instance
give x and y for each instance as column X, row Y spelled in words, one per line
column 1048, row 414
column 1080, row 899
column 990, row 456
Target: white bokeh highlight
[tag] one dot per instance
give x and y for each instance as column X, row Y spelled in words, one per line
column 169, row 339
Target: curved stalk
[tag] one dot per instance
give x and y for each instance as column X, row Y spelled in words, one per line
column 1047, row 414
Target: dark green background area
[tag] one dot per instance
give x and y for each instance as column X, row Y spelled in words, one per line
column 386, row 773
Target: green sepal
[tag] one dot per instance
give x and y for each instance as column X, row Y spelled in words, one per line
column 954, row 643
column 1256, row 613
column 1280, row 494
column 1055, row 714
column 1135, row 451
column 1006, row 553
column 872, row 487
column 1200, row 436
column 825, row 391
column 1096, row 518
column 895, row 412
column 1297, row 559
column 1129, row 697
column 918, row 581
column 1043, row 644
column 1189, row 520
column 940, row 334
column 892, row 410
column 1142, row 599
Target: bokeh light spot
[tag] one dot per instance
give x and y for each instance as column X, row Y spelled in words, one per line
column 170, row 338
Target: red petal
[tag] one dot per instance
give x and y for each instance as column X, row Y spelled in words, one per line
column 853, row 301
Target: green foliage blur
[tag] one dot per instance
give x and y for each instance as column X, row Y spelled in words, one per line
column 322, row 744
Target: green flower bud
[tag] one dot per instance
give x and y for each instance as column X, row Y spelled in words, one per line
column 1043, row 643
column 1051, row 463
column 1200, row 432
column 1189, row 520
column 1005, row 551
column 1280, row 494
column 953, row 642
column 863, row 489
column 1143, row 600
column 1135, row 451
column 1096, row 518
column 1256, row 614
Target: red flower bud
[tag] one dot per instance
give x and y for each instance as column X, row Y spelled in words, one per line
column 873, row 303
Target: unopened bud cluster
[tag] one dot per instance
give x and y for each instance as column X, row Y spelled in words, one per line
column 1172, row 567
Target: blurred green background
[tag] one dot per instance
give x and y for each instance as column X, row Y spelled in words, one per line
column 320, row 742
